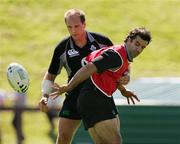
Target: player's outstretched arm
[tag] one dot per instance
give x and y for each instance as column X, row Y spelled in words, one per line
column 80, row 76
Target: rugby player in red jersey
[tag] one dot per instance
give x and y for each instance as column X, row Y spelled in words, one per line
column 101, row 74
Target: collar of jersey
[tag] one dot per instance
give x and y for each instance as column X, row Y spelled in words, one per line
column 90, row 38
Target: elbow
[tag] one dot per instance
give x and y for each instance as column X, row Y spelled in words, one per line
column 91, row 68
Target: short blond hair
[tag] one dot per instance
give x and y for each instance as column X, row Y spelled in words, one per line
column 77, row 12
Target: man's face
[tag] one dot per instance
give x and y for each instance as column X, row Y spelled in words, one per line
column 136, row 46
column 75, row 27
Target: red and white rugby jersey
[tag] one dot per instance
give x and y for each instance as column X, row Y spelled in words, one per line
column 106, row 81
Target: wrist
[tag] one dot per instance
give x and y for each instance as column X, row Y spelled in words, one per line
column 46, row 87
column 123, row 90
column 67, row 88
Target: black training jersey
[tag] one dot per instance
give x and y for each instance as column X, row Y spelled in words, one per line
column 68, row 55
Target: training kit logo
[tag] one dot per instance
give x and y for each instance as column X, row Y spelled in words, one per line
column 73, row 53
column 113, row 112
column 66, row 112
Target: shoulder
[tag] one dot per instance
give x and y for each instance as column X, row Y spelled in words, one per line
column 111, row 52
column 119, row 48
column 98, row 35
column 101, row 38
column 62, row 44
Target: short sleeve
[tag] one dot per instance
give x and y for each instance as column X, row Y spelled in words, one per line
column 107, row 60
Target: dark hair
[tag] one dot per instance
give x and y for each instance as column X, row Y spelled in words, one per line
column 78, row 12
column 142, row 32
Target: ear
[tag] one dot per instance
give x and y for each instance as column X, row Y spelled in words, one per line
column 129, row 40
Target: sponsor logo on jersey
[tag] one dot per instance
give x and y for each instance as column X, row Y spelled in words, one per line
column 92, row 48
column 72, row 53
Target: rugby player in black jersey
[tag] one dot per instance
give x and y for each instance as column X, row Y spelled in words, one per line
column 69, row 54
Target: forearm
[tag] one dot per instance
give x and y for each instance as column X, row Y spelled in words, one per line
column 49, row 76
column 81, row 75
column 46, row 85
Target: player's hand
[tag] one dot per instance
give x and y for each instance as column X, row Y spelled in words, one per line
column 58, row 90
column 43, row 104
column 130, row 96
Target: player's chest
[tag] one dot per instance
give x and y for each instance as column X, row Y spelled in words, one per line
column 77, row 53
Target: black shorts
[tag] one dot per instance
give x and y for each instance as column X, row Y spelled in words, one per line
column 94, row 106
column 69, row 108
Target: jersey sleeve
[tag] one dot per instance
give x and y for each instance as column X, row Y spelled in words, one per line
column 107, row 60
column 107, row 42
column 56, row 63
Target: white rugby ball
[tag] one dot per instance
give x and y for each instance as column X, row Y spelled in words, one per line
column 18, row 77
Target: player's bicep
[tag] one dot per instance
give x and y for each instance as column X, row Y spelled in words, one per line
column 91, row 68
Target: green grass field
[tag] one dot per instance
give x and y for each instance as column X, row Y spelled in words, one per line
column 30, row 29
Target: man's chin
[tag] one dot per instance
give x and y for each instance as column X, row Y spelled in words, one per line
column 75, row 37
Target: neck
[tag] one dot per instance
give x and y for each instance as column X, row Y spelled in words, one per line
column 130, row 58
column 81, row 41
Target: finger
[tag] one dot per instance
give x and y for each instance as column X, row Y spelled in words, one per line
column 43, row 102
column 129, row 94
column 128, row 100
column 132, row 100
column 136, row 98
column 54, row 93
column 55, row 87
column 54, row 97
